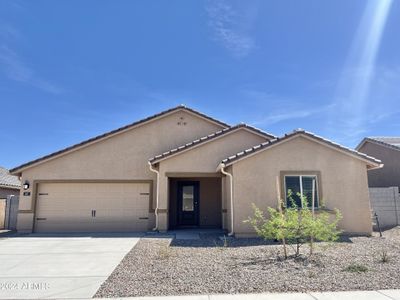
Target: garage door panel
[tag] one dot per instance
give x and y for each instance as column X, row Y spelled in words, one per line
column 62, row 203
column 65, row 216
column 142, row 202
column 61, row 227
column 67, row 207
column 57, row 213
column 118, row 214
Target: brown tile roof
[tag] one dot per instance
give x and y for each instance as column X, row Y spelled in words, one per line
column 205, row 139
column 389, row 142
column 7, row 180
column 99, row 137
column 232, row 159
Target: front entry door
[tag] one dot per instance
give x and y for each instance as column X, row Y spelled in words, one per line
column 188, row 203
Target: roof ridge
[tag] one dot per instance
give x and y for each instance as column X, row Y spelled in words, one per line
column 114, row 131
column 258, row 147
column 256, row 129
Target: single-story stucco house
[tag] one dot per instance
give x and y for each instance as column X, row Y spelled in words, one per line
column 388, row 150
column 9, row 184
column 9, row 187
column 181, row 168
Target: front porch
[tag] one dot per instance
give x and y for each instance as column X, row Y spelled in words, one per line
column 195, row 202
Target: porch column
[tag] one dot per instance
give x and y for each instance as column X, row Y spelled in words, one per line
column 163, row 203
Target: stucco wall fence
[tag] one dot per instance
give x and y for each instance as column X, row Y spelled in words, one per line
column 385, row 202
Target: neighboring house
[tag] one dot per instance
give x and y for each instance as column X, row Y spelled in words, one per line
column 9, row 185
column 384, row 183
column 181, row 168
column 386, row 149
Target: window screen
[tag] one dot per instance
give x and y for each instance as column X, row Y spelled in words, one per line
column 305, row 185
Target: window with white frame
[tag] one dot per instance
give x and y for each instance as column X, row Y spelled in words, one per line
column 304, row 185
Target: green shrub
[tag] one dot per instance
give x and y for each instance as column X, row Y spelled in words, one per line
column 224, row 245
column 384, row 257
column 295, row 226
column 356, row 268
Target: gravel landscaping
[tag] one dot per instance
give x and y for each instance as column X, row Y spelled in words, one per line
column 162, row 266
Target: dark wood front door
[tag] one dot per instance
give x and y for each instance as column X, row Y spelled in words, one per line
column 188, row 203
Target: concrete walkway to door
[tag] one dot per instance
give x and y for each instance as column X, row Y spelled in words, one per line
column 194, row 233
column 59, row 266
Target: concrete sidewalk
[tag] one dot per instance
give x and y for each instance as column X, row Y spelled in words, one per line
column 359, row 295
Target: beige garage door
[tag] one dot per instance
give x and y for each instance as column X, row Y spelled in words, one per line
column 92, row 207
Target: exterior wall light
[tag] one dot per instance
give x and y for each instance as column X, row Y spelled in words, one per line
column 26, row 185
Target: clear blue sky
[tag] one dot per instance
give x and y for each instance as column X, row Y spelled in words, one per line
column 70, row 70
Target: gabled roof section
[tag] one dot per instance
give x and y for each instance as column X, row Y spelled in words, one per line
column 7, row 180
column 388, row 142
column 394, row 141
column 372, row 162
column 206, row 139
column 18, row 169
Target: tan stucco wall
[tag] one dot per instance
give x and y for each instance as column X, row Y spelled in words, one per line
column 343, row 179
column 120, row 157
column 204, row 159
column 389, row 175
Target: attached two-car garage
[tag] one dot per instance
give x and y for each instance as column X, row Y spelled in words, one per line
column 92, row 206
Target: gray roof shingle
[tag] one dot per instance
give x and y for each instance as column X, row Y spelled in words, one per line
column 394, row 141
column 7, row 180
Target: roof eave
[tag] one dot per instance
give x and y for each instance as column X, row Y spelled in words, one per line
column 375, row 166
column 361, row 144
column 12, row 187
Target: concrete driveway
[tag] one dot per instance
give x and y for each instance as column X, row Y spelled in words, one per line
column 68, row 266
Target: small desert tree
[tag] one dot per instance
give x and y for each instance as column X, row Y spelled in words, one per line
column 295, row 225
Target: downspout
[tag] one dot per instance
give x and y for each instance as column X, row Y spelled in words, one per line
column 157, row 193
column 222, row 166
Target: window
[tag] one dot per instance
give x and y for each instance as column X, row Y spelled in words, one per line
column 188, row 198
column 305, row 185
